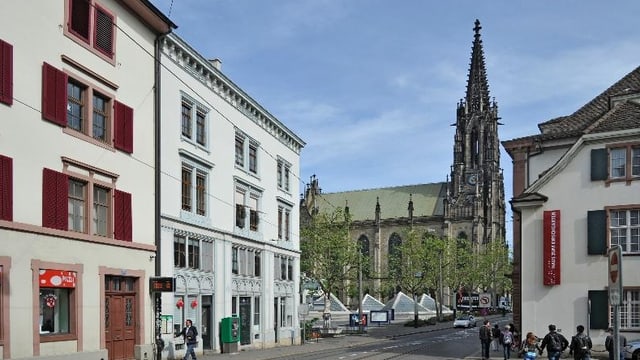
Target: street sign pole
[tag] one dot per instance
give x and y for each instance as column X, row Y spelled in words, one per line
column 615, row 294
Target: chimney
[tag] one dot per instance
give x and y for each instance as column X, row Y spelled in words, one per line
column 217, row 63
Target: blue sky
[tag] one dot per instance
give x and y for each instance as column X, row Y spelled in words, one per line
column 371, row 86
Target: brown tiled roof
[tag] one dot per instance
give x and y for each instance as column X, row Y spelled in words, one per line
column 624, row 115
column 584, row 117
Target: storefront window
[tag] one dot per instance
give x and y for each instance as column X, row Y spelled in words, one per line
column 54, row 311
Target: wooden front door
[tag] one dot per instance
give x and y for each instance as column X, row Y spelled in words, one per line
column 120, row 318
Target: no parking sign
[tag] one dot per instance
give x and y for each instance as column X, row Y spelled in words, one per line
column 484, row 300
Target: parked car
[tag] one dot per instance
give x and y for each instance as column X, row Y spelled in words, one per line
column 632, row 350
column 465, row 321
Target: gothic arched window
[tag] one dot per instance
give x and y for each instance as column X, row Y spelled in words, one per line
column 394, row 252
column 363, row 245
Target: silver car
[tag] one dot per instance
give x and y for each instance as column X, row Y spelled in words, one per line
column 465, row 321
column 632, row 350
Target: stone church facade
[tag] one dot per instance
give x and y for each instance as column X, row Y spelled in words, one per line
column 470, row 204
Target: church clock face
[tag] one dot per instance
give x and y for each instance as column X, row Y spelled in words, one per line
column 472, row 179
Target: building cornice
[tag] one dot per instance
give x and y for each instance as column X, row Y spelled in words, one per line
column 202, row 70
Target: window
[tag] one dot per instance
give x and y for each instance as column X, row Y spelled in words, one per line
column 98, row 125
column 74, row 104
column 190, row 252
column 193, row 175
column 283, row 175
column 618, row 163
column 91, row 25
column 246, row 148
column 239, row 151
column 179, row 251
column 256, row 310
column 6, row 73
column 193, row 110
column 284, row 223
column 57, row 302
column 234, row 261
column 76, row 205
column 247, row 208
column 624, row 227
column 246, row 261
column 194, row 253
column 207, row 256
column 630, row 310
column 6, row 188
column 283, row 268
column 79, row 200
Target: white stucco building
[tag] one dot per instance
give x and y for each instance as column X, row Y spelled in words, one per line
column 577, row 193
column 76, row 178
column 229, row 214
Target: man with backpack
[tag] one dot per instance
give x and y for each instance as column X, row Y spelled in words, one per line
column 555, row 343
column 580, row 345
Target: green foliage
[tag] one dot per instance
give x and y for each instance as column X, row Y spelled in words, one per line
column 408, row 263
column 328, row 255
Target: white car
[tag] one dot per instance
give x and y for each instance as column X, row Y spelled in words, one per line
column 632, row 350
column 465, row 321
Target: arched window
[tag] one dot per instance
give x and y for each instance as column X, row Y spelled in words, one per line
column 363, row 244
column 394, row 252
column 363, row 241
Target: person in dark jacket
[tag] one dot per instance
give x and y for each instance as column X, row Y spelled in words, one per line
column 495, row 334
column 485, row 339
column 609, row 344
column 190, row 335
column 580, row 345
column 555, row 343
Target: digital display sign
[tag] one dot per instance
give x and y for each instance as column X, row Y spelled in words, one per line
column 162, row 284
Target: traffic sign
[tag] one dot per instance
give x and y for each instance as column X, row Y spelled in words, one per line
column 615, row 275
column 484, row 300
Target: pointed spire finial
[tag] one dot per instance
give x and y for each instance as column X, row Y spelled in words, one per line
column 477, row 28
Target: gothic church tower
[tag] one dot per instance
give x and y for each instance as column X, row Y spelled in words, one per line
column 475, row 203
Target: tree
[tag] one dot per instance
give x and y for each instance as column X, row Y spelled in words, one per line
column 436, row 261
column 408, row 266
column 328, row 255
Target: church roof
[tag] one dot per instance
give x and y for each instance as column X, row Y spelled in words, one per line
column 394, row 201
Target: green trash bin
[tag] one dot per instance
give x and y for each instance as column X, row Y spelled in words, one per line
column 230, row 334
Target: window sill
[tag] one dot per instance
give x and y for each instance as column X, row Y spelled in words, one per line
column 57, row 337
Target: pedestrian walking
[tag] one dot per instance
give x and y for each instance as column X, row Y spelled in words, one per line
column 495, row 334
column 190, row 335
column 485, row 339
column 507, row 342
column 554, row 342
column 580, row 345
column 609, row 344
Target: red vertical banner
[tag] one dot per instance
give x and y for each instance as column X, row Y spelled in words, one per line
column 551, row 248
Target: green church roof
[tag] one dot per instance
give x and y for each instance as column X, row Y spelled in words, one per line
column 394, row 201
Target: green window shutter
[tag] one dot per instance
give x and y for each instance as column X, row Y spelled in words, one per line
column 599, row 301
column 596, row 232
column 599, row 164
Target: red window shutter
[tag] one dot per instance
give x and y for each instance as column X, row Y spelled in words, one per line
column 123, row 127
column 6, row 73
column 55, row 200
column 6, row 188
column 104, row 31
column 54, row 95
column 122, row 221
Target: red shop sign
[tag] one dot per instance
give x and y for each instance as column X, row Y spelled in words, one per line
column 551, row 247
column 57, row 278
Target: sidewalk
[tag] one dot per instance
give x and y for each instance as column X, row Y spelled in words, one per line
column 374, row 334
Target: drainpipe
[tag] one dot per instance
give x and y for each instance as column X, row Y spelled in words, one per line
column 157, row 296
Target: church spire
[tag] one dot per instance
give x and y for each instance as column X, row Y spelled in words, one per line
column 477, row 98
